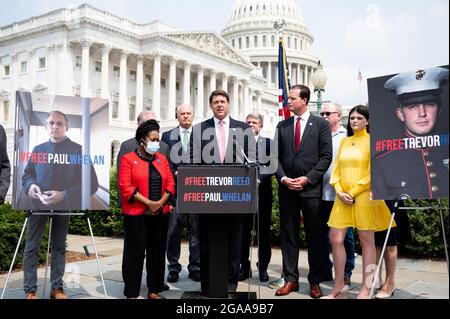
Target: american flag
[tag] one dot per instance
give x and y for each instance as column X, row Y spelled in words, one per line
column 359, row 76
column 284, row 84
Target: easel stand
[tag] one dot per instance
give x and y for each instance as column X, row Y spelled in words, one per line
column 52, row 214
column 440, row 208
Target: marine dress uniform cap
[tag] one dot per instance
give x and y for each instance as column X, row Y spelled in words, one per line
column 421, row 80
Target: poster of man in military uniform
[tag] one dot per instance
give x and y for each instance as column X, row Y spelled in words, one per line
column 410, row 134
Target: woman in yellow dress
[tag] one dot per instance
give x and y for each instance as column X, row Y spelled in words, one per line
column 353, row 208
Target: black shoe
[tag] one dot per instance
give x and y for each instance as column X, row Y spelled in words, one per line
column 232, row 288
column 347, row 280
column 165, row 287
column 195, row 275
column 244, row 274
column 327, row 277
column 172, row 276
column 263, row 276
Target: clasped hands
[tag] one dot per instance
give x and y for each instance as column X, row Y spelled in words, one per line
column 346, row 198
column 295, row 184
column 51, row 197
column 154, row 207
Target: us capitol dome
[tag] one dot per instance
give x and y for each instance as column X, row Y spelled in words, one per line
column 251, row 32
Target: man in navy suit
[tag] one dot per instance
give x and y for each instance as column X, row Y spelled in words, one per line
column 219, row 141
column 178, row 140
column 304, row 155
column 264, row 217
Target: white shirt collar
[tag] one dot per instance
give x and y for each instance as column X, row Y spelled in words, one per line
column 182, row 129
column 226, row 120
column 304, row 117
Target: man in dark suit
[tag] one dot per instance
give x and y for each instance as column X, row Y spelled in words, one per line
column 131, row 144
column 5, row 166
column 178, row 140
column 219, row 141
column 264, row 216
column 304, row 154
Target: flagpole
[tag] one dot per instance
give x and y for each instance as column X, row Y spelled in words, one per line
column 359, row 86
column 283, row 73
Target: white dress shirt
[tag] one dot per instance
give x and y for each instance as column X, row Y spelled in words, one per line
column 226, row 125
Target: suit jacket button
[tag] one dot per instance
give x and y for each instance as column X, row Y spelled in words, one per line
column 434, row 189
column 403, row 184
column 426, row 153
column 432, row 175
column 429, row 163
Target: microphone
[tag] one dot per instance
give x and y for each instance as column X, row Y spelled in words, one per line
column 240, row 148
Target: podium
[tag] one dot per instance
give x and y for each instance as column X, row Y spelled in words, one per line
column 218, row 193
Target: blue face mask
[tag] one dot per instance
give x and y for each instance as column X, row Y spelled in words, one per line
column 152, row 147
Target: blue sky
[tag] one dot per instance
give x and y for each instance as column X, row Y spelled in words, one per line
column 378, row 37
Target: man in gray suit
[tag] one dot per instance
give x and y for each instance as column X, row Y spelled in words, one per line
column 5, row 166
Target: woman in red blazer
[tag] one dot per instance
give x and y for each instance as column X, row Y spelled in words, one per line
column 146, row 184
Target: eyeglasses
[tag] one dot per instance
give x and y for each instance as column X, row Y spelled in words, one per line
column 327, row 113
column 57, row 123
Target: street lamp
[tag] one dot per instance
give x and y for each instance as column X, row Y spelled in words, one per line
column 319, row 80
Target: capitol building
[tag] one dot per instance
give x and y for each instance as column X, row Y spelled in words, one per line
column 85, row 51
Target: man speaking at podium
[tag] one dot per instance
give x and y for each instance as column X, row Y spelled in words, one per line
column 217, row 142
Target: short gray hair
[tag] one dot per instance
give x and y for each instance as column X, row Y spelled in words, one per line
column 58, row 113
column 185, row 105
column 336, row 105
column 257, row 116
column 140, row 118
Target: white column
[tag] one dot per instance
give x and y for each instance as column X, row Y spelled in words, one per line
column 235, row 103
column 291, row 75
column 259, row 101
column 225, row 82
column 269, row 74
column 200, row 90
column 69, row 74
column 32, row 67
column 66, row 78
column 187, row 84
column 105, row 72
column 86, row 45
column 123, row 97
column 299, row 74
column 59, row 69
column 246, row 100
column 306, row 76
column 212, row 81
column 51, row 69
column 140, row 84
column 172, row 89
column 276, row 76
column 156, row 103
column 14, row 71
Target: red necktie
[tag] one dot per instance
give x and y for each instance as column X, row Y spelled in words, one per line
column 297, row 135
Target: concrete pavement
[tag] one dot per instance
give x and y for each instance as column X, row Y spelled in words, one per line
column 415, row 278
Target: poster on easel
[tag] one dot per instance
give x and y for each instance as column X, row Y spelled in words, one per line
column 61, row 160
column 409, row 131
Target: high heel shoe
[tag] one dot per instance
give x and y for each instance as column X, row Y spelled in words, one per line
column 343, row 294
column 385, row 294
